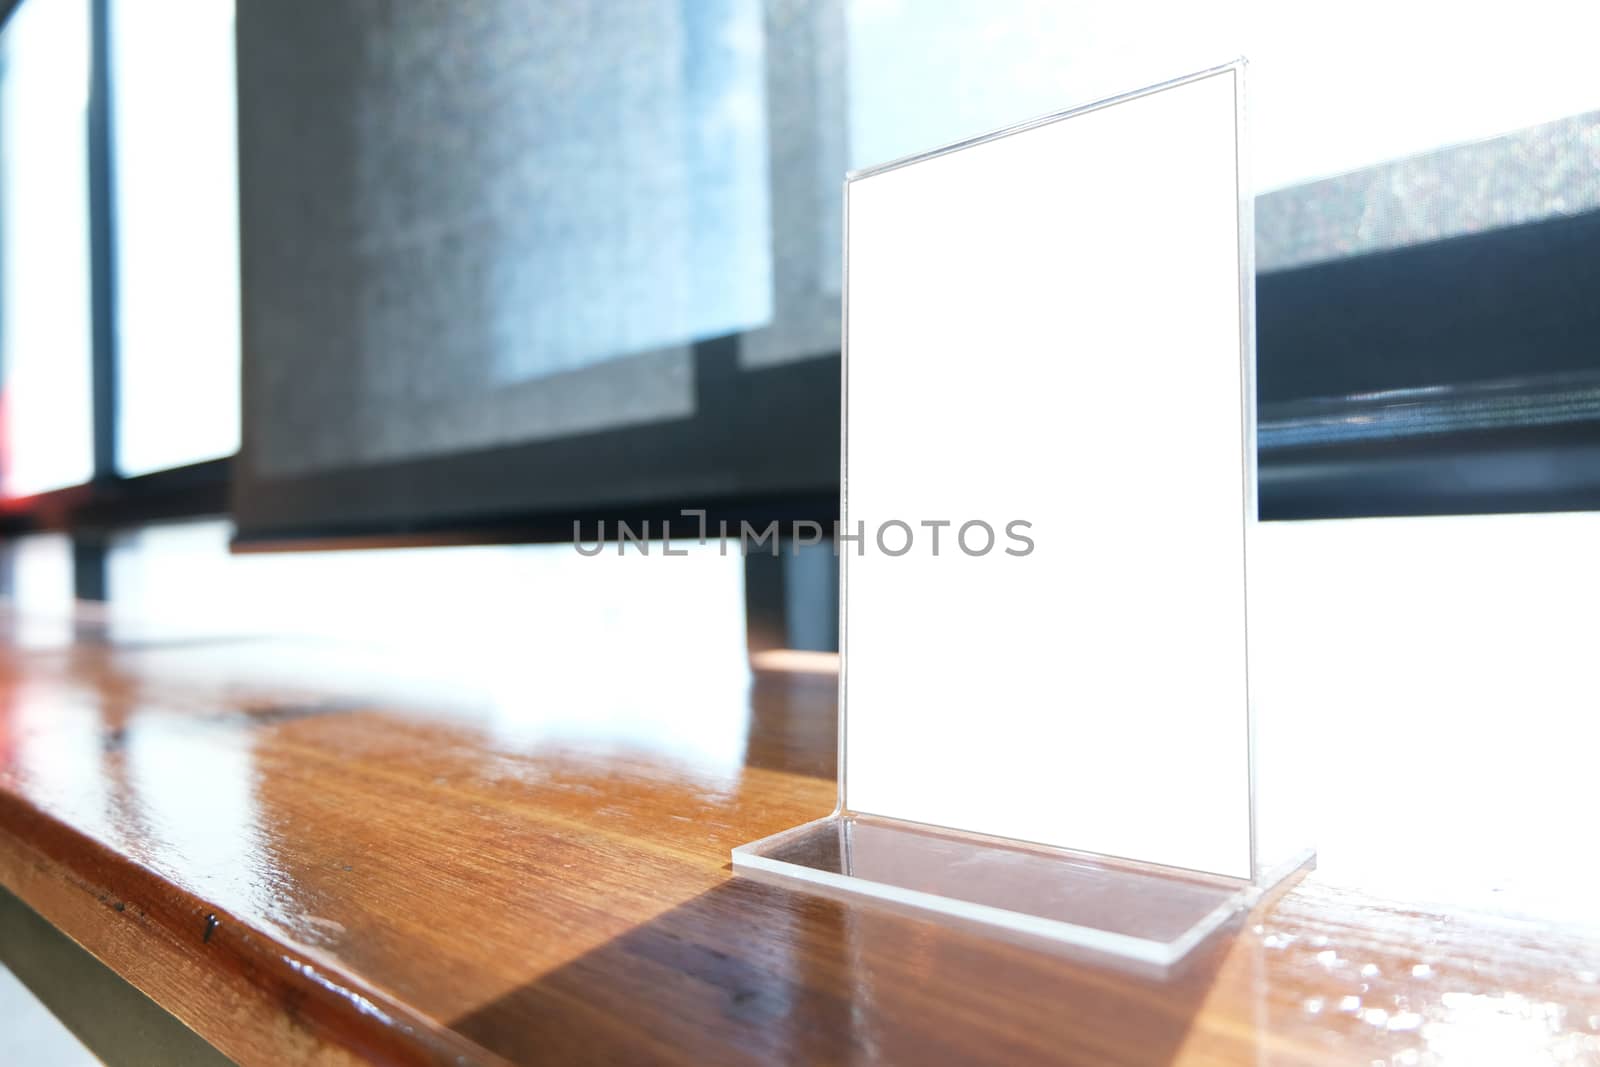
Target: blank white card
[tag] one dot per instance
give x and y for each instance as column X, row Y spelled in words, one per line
column 1044, row 340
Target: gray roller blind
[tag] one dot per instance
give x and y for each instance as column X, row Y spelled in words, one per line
column 474, row 224
column 503, row 256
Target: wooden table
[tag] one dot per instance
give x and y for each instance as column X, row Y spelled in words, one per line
column 307, row 858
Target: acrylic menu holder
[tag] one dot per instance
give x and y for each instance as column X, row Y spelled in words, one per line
column 1046, row 730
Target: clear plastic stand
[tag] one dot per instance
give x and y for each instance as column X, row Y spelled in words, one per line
column 1053, row 322
column 1070, row 901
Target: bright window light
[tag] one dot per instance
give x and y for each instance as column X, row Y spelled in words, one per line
column 1330, row 89
column 45, row 394
column 177, row 217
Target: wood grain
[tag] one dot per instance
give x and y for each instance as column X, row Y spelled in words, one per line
column 308, row 864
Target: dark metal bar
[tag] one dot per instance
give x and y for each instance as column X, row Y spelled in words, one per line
column 102, row 243
column 89, row 580
column 119, row 1024
column 200, row 489
column 791, row 599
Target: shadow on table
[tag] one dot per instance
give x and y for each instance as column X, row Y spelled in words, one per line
column 753, row 972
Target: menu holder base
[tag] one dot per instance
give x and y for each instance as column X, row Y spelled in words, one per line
column 1096, row 907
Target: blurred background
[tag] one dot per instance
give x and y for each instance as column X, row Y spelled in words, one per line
column 312, row 275
column 477, row 271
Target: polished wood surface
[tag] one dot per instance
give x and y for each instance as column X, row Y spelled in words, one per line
column 311, row 856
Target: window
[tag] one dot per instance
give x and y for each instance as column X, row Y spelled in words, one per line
column 481, row 291
column 1329, row 90
column 175, row 182
column 45, row 342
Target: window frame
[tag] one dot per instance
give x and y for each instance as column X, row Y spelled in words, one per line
column 108, row 501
